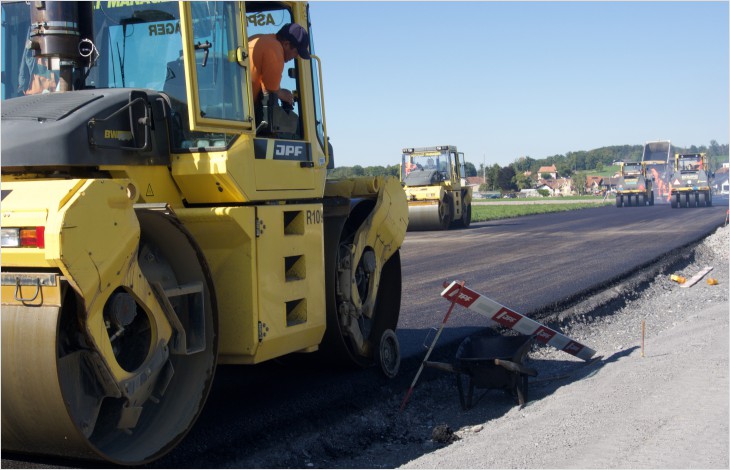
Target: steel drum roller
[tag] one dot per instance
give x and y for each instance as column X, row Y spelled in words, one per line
column 429, row 216
column 34, row 414
column 59, row 392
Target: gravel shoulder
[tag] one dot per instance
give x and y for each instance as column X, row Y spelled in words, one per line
column 665, row 406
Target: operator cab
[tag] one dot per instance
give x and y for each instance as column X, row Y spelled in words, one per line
column 692, row 162
column 632, row 169
column 139, row 45
column 428, row 167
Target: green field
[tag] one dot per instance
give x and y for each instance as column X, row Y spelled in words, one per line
column 481, row 213
column 584, row 197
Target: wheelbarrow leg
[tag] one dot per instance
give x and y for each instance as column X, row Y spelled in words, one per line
column 522, row 389
column 465, row 401
column 460, row 387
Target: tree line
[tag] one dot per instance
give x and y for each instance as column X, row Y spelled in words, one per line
column 512, row 177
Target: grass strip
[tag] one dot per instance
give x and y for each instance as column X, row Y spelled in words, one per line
column 481, row 213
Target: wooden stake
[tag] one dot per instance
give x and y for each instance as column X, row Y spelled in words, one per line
column 643, row 331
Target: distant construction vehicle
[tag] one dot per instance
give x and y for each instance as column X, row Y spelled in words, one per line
column 689, row 185
column 635, row 186
column 657, row 160
column 432, row 179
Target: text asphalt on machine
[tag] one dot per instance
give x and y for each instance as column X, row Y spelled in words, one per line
column 432, row 178
column 689, row 185
column 152, row 228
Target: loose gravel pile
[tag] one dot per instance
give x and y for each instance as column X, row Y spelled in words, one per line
column 661, row 406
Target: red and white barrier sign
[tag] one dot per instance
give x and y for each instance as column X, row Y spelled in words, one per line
column 501, row 315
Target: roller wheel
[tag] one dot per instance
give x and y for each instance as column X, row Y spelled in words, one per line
column 674, row 201
column 466, row 216
column 436, row 216
column 696, row 202
column 125, row 394
column 651, row 198
column 465, row 219
column 389, row 354
column 640, row 200
column 358, row 318
column 708, row 198
column 619, row 201
column 446, row 215
column 683, row 200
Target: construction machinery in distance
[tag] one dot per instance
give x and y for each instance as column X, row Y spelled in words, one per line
column 657, row 160
column 158, row 219
column 689, row 185
column 434, row 181
column 635, row 185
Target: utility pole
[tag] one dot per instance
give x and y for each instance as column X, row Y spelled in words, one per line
column 484, row 168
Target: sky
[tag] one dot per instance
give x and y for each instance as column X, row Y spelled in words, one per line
column 503, row 80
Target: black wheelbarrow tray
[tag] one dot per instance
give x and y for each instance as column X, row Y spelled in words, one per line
column 490, row 362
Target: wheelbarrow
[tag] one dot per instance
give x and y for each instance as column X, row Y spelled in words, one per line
column 490, row 362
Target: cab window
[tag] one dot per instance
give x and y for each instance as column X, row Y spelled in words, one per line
column 220, row 81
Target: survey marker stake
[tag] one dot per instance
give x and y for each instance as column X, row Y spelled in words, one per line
column 430, row 349
column 500, row 315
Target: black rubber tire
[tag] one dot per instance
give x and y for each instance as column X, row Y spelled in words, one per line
column 388, row 354
column 466, row 220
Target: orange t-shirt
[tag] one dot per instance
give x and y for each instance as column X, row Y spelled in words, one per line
column 267, row 63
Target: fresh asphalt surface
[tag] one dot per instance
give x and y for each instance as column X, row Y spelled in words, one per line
column 531, row 264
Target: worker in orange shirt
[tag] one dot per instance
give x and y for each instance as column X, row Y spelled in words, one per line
column 269, row 53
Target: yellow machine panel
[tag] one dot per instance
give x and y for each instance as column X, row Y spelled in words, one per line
column 291, row 268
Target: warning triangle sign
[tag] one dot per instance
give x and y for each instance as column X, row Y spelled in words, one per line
column 676, row 181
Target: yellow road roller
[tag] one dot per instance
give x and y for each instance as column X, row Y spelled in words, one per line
column 159, row 219
column 434, row 181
